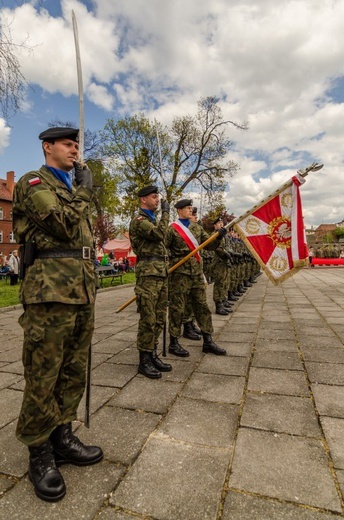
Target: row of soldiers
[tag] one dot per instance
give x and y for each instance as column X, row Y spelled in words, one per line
column 231, row 268
column 328, row 251
column 161, row 276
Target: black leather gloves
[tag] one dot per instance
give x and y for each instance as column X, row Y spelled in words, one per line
column 222, row 232
column 165, row 207
column 83, row 176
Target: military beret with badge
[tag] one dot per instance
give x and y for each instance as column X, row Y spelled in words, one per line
column 147, row 190
column 183, row 203
column 60, row 132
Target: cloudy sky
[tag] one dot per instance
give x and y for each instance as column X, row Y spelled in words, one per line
column 279, row 65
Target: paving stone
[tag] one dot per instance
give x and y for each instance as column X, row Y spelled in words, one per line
column 320, row 341
column 201, row 422
column 110, row 513
column 327, row 373
column 8, row 379
column 100, row 395
column 303, row 331
column 234, row 349
column 169, row 465
column 259, row 466
column 109, row 374
column 14, row 455
column 329, row 400
column 11, row 355
column 282, row 414
column 5, row 484
column 14, row 368
column 326, row 355
column 283, row 360
column 181, row 370
column 226, row 365
column 334, row 433
column 284, row 382
column 340, row 476
column 276, row 345
column 110, row 346
column 121, row 433
column 276, row 335
column 266, row 324
column 127, row 356
column 87, row 488
column 245, row 507
column 11, row 401
column 146, row 394
column 98, row 359
column 211, row 387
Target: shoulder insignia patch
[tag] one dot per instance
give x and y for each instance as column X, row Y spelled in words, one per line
column 139, row 218
column 35, row 180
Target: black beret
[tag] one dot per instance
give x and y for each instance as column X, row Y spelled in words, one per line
column 194, row 210
column 183, row 203
column 61, row 132
column 147, row 190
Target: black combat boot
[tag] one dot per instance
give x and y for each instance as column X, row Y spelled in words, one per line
column 219, row 309
column 231, row 297
column 227, row 305
column 210, row 347
column 189, row 332
column 44, row 475
column 241, row 289
column 247, row 283
column 146, row 366
column 159, row 364
column 196, row 328
column 68, row 449
column 176, row 349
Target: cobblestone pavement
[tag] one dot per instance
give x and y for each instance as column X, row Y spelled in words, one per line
column 255, row 435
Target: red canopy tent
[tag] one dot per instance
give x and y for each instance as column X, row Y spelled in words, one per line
column 121, row 248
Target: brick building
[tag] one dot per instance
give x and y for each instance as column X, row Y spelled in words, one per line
column 7, row 240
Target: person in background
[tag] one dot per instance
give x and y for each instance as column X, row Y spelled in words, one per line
column 13, row 264
column 52, row 223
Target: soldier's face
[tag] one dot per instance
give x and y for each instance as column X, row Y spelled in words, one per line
column 61, row 154
column 185, row 212
column 151, row 201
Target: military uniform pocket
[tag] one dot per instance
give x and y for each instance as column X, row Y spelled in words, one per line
column 34, row 331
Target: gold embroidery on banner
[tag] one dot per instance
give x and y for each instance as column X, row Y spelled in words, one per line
column 252, row 226
column 279, row 231
column 278, row 263
column 287, row 200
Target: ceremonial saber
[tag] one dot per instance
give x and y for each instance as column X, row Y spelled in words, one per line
column 304, row 172
column 81, row 159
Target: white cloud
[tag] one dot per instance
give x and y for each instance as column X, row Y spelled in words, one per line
column 271, row 63
column 5, row 133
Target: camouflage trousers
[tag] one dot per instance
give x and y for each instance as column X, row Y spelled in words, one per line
column 151, row 293
column 185, row 288
column 57, row 338
column 221, row 276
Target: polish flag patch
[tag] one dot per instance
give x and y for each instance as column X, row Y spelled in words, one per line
column 35, row 180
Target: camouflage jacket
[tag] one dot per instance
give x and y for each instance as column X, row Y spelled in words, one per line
column 178, row 249
column 47, row 213
column 147, row 239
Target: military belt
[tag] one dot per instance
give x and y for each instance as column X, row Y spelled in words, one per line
column 84, row 253
column 154, row 257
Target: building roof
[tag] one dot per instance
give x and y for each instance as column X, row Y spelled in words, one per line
column 326, row 227
column 5, row 193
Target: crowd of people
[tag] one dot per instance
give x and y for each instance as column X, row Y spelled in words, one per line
column 10, row 266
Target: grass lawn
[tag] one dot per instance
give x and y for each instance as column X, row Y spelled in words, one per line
column 9, row 293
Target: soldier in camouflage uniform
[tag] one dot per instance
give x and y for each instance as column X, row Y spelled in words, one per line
column 51, row 222
column 187, row 281
column 221, row 267
column 190, row 327
column 147, row 238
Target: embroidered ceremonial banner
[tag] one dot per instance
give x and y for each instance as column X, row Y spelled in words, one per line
column 274, row 233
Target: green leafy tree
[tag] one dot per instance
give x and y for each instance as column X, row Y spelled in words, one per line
column 193, row 153
column 338, row 232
